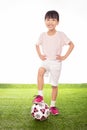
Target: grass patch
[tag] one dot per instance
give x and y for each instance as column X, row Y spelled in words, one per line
column 16, row 102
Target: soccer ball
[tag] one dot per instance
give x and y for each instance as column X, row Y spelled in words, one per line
column 40, row 111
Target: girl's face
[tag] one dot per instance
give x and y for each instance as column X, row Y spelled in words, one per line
column 51, row 23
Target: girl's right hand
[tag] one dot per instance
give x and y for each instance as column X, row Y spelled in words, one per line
column 42, row 57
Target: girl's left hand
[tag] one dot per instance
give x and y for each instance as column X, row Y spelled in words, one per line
column 58, row 57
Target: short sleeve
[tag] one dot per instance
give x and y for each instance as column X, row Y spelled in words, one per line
column 65, row 39
column 40, row 39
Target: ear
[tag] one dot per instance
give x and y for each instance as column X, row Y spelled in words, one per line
column 57, row 22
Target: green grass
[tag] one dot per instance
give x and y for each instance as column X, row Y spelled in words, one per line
column 16, row 102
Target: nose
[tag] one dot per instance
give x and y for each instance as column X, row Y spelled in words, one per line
column 50, row 21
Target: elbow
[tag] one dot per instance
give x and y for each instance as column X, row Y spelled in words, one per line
column 36, row 46
column 71, row 44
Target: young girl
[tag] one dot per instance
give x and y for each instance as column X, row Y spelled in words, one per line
column 49, row 48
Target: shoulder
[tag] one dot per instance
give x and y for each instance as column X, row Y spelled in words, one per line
column 41, row 37
column 60, row 33
column 42, row 34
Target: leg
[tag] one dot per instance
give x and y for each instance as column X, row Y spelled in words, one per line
column 40, row 83
column 53, row 109
column 54, row 95
column 40, row 78
column 54, row 92
column 55, row 73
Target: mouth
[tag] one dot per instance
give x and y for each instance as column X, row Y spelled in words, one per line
column 50, row 26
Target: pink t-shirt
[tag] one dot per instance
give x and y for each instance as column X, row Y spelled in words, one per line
column 52, row 45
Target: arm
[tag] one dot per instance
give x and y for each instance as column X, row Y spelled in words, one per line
column 71, row 46
column 42, row 57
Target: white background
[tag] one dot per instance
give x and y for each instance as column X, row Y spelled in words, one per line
column 22, row 21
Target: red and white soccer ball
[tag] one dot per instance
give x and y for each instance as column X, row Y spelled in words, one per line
column 40, row 111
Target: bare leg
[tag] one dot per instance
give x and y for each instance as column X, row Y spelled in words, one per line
column 54, row 95
column 40, row 83
column 53, row 109
column 40, row 78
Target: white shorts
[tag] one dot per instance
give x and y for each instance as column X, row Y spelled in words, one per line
column 53, row 67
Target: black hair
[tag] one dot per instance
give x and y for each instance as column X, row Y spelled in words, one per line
column 52, row 14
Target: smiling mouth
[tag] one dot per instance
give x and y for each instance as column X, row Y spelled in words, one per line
column 50, row 26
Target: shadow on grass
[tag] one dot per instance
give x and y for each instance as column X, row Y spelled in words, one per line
column 47, row 124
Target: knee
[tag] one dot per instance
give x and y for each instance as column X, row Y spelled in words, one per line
column 55, row 88
column 41, row 72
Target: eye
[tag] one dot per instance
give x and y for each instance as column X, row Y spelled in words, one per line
column 47, row 19
column 54, row 19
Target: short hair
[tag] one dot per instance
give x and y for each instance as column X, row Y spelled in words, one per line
column 52, row 14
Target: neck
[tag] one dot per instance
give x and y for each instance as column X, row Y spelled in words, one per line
column 51, row 32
